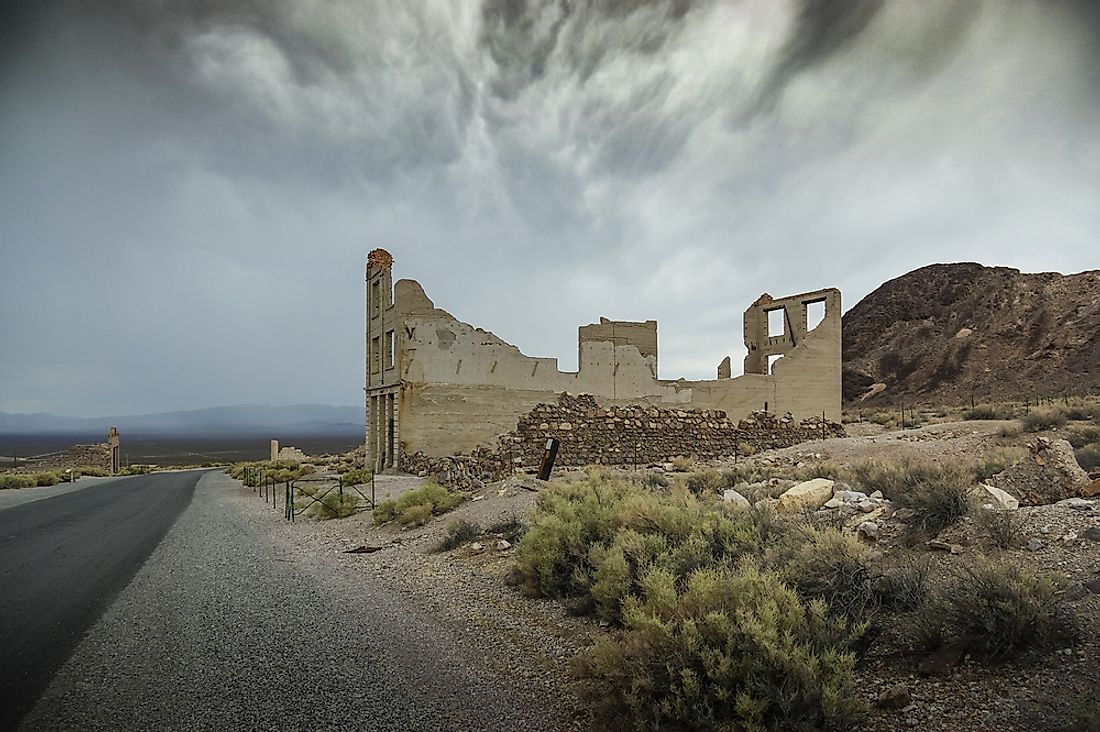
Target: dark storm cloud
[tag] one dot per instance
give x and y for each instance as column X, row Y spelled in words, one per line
column 188, row 189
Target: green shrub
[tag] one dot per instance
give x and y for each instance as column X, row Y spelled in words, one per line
column 93, row 470
column 655, row 481
column 994, row 610
column 334, row 504
column 939, row 494
column 989, row 411
column 511, row 529
column 416, row 515
column 458, row 533
column 1010, row 430
column 1079, row 437
column 138, row 469
column 683, row 464
column 409, row 508
column 355, row 476
column 732, row 648
column 830, row 565
column 706, row 482
column 17, row 481
column 1043, row 419
column 905, row 585
column 46, row 479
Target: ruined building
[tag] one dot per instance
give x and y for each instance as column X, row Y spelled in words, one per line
column 437, row 386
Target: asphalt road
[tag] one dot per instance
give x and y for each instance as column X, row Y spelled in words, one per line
column 227, row 626
column 63, row 560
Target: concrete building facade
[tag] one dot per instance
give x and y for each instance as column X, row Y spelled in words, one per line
column 439, row 386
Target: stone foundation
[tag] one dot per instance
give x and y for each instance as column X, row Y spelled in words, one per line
column 634, row 436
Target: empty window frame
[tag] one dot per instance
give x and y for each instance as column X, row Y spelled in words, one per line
column 375, row 354
column 376, row 297
column 776, row 323
column 771, row 362
column 391, row 349
column 815, row 313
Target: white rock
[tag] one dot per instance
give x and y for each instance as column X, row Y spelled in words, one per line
column 504, row 544
column 733, row 497
column 1002, row 500
column 806, row 496
column 833, row 502
column 869, row 530
column 850, row 496
column 1078, row 503
column 867, row 505
column 876, row 494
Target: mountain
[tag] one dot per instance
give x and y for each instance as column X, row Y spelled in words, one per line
column 297, row 419
column 949, row 333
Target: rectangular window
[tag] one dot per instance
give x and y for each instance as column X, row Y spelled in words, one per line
column 376, row 297
column 375, row 354
column 815, row 313
column 775, row 322
column 391, row 349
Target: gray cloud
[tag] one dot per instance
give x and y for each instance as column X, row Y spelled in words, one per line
column 188, row 190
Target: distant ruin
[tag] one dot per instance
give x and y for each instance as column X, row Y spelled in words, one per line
column 286, row 453
column 436, row 386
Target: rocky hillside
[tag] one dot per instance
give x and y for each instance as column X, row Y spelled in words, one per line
column 946, row 333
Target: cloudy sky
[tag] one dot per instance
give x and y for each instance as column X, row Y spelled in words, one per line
column 188, row 190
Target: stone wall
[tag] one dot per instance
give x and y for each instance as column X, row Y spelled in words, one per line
column 628, row 436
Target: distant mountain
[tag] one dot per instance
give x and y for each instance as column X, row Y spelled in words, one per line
column 297, row 419
column 947, row 333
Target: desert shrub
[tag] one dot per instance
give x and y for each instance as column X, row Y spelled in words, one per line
column 333, row 504
column 137, row 469
column 511, row 529
column 829, row 565
column 732, row 648
column 1079, row 437
column 655, row 481
column 905, row 585
column 595, row 540
column 458, row 532
column 17, row 481
column 994, row 610
column 706, row 482
column 251, row 474
column 1043, row 419
column 355, row 476
column 1002, row 529
column 415, row 515
column 744, row 449
column 93, row 470
column 1013, row 429
column 1088, row 457
column 46, row 479
column 683, row 464
column 995, row 460
column 939, row 494
column 409, row 508
column 1082, row 412
column 989, row 411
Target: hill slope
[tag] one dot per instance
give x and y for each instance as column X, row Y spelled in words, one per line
column 949, row 332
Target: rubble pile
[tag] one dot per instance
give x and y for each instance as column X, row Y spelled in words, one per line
column 1048, row 474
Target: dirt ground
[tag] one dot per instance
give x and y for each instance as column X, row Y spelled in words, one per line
column 537, row 638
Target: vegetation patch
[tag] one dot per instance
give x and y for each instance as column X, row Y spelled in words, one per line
column 416, row 507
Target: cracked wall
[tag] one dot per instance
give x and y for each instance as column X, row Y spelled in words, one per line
column 440, row 386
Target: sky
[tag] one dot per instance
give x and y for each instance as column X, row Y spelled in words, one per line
column 188, row 190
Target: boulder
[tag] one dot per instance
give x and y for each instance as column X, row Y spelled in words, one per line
column 1048, row 474
column 807, row 496
column 896, row 697
column 1000, row 499
column 1091, row 489
column 868, row 530
column 735, row 499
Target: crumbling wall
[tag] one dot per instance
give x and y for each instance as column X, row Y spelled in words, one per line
column 630, row 436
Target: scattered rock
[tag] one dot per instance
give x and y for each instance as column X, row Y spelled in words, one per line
column 1034, row 545
column 806, row 496
column 476, row 546
column 1001, row 499
column 1091, row 489
column 735, row 499
column 1077, row 503
column 513, row 577
column 943, row 546
column 868, row 530
column 1074, row 592
column 876, row 494
column 1092, row 533
column 1093, row 586
column 896, row 697
column 527, row 483
column 504, row 545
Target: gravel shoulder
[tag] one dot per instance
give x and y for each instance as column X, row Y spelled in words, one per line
column 237, row 621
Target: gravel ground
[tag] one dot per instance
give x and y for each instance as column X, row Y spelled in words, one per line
column 234, row 624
